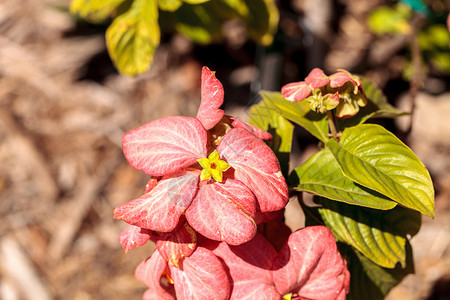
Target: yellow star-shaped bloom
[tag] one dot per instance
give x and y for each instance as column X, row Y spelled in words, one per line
column 213, row 167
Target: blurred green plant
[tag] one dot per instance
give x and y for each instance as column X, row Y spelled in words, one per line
column 432, row 35
column 136, row 25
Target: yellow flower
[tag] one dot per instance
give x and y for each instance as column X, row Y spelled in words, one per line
column 213, row 166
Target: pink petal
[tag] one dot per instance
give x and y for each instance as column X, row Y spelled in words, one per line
column 165, row 145
column 317, row 79
column 249, row 266
column 212, row 98
column 296, row 91
column 133, row 237
column 256, row 166
column 150, row 272
column 224, row 212
column 202, row 276
column 161, row 208
column 178, row 244
column 259, row 133
column 310, row 265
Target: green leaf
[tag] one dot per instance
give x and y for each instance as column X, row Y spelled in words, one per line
column 322, row 175
column 133, row 37
column 95, row 11
column 368, row 280
column 375, row 158
column 169, row 5
column 392, row 20
column 375, row 95
column 262, row 20
column 299, row 113
column 199, row 22
column 281, row 130
column 379, row 235
column 195, row 1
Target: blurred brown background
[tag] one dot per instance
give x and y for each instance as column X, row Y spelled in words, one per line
column 63, row 110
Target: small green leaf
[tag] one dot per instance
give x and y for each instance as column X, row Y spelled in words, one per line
column 262, row 20
column 392, row 20
column 195, row 1
column 265, row 118
column 322, row 175
column 375, row 158
column 298, row 112
column 375, row 95
column 169, row 5
column 199, row 22
column 133, row 37
column 95, row 11
column 368, row 280
column 379, row 235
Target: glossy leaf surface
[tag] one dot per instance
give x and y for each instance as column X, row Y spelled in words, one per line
column 379, row 235
column 133, row 36
column 322, row 175
column 369, row 280
column 373, row 157
column 281, row 130
column 299, row 113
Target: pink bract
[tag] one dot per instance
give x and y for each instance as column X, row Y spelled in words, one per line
column 317, row 79
column 296, row 91
column 169, row 148
column 308, row 266
column 212, row 98
column 201, row 276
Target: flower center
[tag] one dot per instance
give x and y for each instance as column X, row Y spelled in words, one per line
column 213, row 167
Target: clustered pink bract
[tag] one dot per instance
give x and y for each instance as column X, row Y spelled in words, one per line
column 205, row 228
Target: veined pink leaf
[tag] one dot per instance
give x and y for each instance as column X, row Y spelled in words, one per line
column 310, row 265
column 212, row 98
column 296, row 91
column 150, row 272
column 223, row 212
column 165, row 145
column 317, row 79
column 259, row 133
column 132, row 237
column 249, row 266
column 256, row 166
column 161, row 208
column 202, row 276
column 178, row 244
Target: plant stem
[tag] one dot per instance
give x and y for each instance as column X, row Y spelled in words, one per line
column 332, row 124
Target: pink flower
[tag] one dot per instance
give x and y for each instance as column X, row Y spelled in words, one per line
column 341, row 91
column 213, row 169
